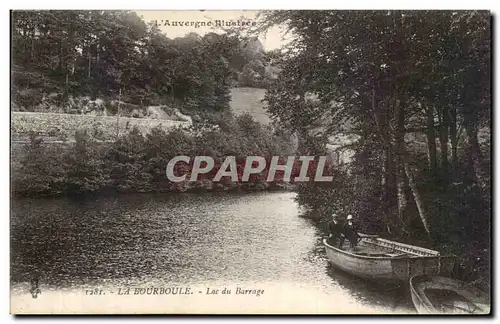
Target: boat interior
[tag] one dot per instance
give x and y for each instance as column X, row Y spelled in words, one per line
column 451, row 296
column 375, row 246
column 447, row 301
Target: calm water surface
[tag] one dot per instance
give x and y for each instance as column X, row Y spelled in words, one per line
column 256, row 240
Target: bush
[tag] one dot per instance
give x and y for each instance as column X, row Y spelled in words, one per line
column 136, row 163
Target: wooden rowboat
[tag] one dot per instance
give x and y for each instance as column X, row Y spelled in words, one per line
column 376, row 258
column 439, row 295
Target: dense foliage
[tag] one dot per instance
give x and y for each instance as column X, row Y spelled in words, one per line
column 414, row 88
column 137, row 163
column 61, row 55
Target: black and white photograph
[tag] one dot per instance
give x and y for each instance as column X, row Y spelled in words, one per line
column 319, row 162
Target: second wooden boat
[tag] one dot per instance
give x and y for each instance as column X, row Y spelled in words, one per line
column 376, row 258
column 439, row 295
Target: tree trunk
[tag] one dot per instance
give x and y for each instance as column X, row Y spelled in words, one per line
column 399, row 141
column 97, row 52
column 90, row 56
column 118, row 113
column 23, row 39
column 301, row 129
column 431, row 140
column 389, row 189
column 400, row 55
column 33, row 44
column 454, row 141
column 418, row 198
column 481, row 175
column 443, row 141
column 61, row 55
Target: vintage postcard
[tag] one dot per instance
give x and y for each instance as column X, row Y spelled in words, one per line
column 250, row 162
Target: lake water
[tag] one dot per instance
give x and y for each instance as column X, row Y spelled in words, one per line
column 254, row 241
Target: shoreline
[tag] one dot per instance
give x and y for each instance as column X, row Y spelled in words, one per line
column 477, row 279
column 193, row 191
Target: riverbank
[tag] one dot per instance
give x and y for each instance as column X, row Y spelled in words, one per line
column 136, row 160
column 197, row 187
column 472, row 260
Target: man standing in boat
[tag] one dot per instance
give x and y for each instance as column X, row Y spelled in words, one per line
column 351, row 232
column 336, row 229
column 350, row 222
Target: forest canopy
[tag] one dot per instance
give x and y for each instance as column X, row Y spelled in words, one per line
column 108, row 54
column 414, row 88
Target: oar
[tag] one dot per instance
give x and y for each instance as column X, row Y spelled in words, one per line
column 367, row 235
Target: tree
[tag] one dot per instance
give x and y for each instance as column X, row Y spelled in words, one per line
column 386, row 74
column 102, row 53
column 87, row 173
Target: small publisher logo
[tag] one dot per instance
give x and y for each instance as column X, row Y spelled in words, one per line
column 204, row 23
column 35, row 289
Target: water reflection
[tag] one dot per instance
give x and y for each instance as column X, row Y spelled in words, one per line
column 214, row 239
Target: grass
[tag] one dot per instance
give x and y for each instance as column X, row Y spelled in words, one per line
column 249, row 100
column 62, row 127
